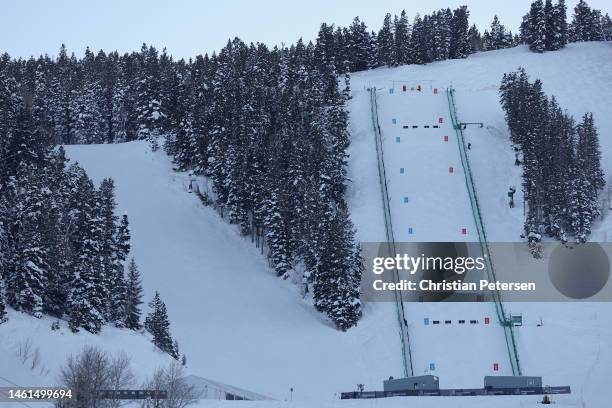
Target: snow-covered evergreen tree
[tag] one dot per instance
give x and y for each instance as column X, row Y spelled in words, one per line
column 386, row 43
column 336, row 283
column 358, row 46
column 588, row 153
column 150, row 117
column 133, row 298
column 3, row 312
column 562, row 173
column 537, row 26
column 158, row 324
column 401, row 39
column 461, row 38
column 581, row 28
column 497, row 37
column 89, row 290
column 475, row 39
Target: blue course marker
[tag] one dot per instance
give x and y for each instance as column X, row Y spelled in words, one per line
column 410, row 232
column 394, row 121
column 426, row 321
column 391, row 90
column 405, row 200
column 402, row 170
column 432, row 366
column 397, row 139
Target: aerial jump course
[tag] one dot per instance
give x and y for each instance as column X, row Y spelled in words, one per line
column 417, row 130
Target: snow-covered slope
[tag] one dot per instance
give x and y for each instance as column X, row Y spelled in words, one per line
column 570, row 348
column 240, row 325
column 31, row 354
column 236, row 321
column 579, row 76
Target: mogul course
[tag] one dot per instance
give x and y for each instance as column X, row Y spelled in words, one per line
column 444, row 285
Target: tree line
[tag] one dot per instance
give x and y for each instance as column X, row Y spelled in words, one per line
column 545, row 27
column 63, row 250
column 562, row 172
column 269, row 129
column 268, row 126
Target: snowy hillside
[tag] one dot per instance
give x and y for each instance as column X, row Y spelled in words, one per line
column 568, row 348
column 31, row 354
column 240, row 325
column 235, row 320
column 579, row 76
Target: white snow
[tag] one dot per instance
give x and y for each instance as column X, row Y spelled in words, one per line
column 240, row 325
column 31, row 354
column 236, row 321
column 572, row 348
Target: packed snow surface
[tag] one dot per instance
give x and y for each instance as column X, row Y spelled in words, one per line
column 234, row 319
column 572, row 345
column 238, row 324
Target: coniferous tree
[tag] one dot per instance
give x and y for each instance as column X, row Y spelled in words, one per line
column 133, row 297
column 588, row 153
column 497, row 37
column 537, row 27
column 461, row 38
column 373, row 51
column 61, row 96
column 386, row 43
column 582, row 22
column 419, row 45
column 158, row 324
column 89, row 292
column 550, row 24
column 402, row 39
column 597, row 33
column 441, row 34
column 336, row 291
column 3, row 312
column 475, row 39
column 606, row 25
column 111, row 268
column 358, row 46
column 123, row 238
column 148, row 106
column 558, row 26
column 562, row 174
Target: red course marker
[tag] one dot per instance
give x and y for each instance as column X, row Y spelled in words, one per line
column 495, row 367
column 451, row 170
column 446, row 138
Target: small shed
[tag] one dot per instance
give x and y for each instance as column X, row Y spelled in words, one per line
column 421, row 382
column 511, row 381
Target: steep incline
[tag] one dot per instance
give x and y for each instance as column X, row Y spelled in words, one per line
column 569, row 347
column 237, row 322
column 430, row 203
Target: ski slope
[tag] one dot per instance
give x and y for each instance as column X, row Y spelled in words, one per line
column 429, row 203
column 236, row 321
column 240, row 325
column 572, row 347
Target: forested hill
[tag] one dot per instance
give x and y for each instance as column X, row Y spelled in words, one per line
column 268, row 126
